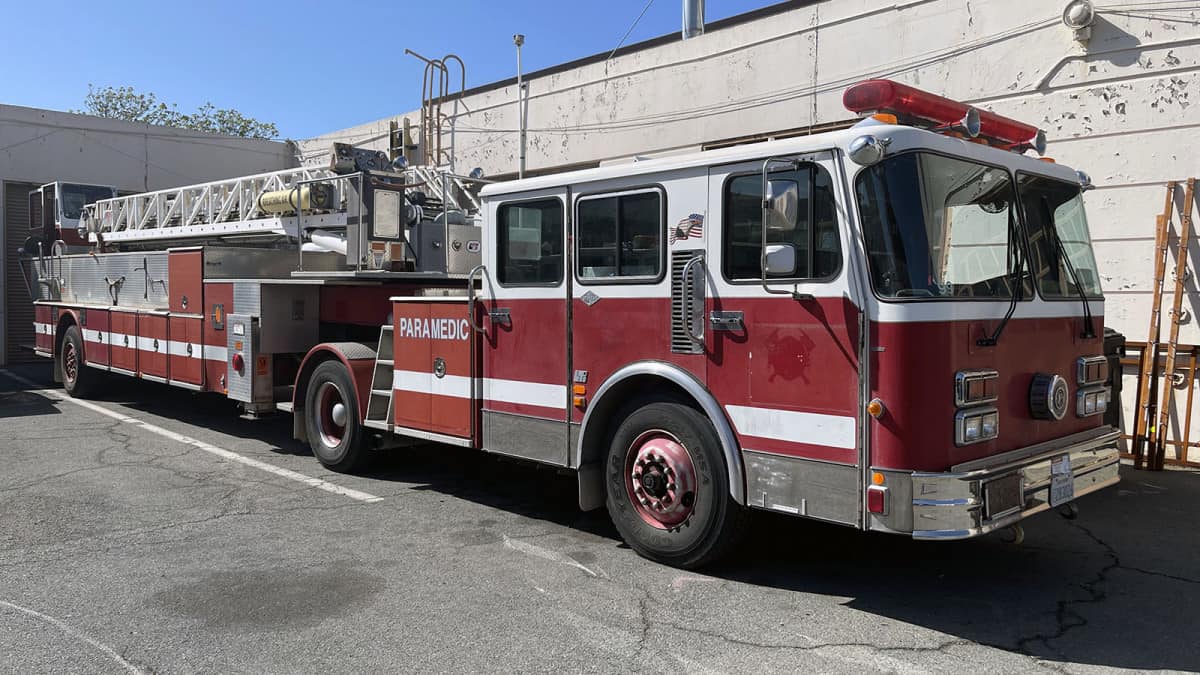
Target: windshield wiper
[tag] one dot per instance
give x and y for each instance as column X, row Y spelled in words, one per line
column 1016, row 278
column 1089, row 327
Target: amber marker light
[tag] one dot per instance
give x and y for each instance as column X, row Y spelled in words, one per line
column 875, row 408
column 877, row 478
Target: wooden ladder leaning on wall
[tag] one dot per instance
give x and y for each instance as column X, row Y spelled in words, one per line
column 1152, row 415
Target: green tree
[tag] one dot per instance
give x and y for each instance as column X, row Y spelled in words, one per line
column 126, row 103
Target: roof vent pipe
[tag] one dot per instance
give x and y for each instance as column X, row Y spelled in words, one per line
column 693, row 18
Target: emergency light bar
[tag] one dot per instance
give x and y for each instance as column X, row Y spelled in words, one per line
column 875, row 96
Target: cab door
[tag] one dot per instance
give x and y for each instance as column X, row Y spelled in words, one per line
column 784, row 349
column 524, row 320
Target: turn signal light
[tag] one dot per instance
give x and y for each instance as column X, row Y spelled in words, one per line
column 875, row 408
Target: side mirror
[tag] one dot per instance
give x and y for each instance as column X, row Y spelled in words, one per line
column 780, row 260
column 781, row 206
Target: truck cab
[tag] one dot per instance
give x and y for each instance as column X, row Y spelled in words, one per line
column 55, row 210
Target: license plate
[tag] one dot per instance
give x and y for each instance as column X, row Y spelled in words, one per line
column 1002, row 496
column 1062, row 481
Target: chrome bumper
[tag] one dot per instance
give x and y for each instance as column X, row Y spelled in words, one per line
column 952, row 505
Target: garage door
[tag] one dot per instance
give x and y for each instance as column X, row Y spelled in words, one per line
column 18, row 324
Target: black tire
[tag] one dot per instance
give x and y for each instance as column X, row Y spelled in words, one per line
column 714, row 521
column 339, row 447
column 77, row 378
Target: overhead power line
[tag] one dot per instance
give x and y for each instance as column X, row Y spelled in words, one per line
column 631, row 27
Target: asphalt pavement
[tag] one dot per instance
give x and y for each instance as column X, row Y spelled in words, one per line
column 157, row 531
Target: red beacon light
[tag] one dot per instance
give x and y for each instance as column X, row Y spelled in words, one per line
column 876, row 96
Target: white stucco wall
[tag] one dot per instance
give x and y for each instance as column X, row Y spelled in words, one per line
column 40, row 146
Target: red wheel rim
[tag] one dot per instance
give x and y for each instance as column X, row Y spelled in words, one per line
column 660, row 480
column 70, row 362
column 331, row 415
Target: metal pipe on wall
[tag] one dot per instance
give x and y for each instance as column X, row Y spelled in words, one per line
column 693, row 18
column 519, row 40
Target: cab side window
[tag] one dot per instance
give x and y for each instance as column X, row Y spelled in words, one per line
column 620, row 236
column 530, row 238
column 803, row 217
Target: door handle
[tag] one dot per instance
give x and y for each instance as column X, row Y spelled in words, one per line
column 730, row 321
column 500, row 316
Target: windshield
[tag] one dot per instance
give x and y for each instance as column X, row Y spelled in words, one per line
column 74, row 197
column 937, row 227
column 1059, row 243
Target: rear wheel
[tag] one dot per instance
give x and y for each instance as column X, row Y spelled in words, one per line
column 78, row 380
column 668, row 486
column 331, row 419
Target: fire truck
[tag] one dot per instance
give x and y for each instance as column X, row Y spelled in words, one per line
column 895, row 326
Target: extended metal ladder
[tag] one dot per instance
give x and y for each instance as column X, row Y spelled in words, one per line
column 224, row 207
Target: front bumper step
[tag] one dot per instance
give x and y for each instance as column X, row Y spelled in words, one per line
column 954, row 505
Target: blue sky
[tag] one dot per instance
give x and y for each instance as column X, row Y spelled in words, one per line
column 310, row 67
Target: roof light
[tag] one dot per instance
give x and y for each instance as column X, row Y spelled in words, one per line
column 873, row 96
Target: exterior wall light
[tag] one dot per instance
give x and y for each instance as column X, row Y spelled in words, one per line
column 1079, row 15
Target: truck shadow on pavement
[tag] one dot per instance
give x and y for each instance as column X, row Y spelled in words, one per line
column 1118, row 587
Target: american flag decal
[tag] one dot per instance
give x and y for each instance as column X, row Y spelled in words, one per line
column 689, row 228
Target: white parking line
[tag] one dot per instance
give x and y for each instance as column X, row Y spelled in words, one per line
column 105, row 649
column 200, row 445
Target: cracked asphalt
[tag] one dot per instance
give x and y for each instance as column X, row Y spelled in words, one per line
column 124, row 551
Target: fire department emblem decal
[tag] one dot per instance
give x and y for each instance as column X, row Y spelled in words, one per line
column 691, row 227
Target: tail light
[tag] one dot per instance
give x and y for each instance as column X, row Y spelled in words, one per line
column 886, row 96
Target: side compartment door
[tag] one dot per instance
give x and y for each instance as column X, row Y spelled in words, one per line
column 152, row 345
column 123, row 341
column 95, row 327
column 525, row 318
column 785, row 350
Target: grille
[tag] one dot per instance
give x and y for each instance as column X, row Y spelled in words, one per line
column 686, row 309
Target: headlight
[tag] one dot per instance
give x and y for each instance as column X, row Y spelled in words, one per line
column 1093, row 401
column 976, row 425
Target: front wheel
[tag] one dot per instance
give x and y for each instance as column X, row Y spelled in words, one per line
column 331, row 419
column 668, row 486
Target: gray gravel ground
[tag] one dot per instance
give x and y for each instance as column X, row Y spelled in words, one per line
column 124, row 551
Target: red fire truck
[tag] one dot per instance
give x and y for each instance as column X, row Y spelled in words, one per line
column 895, row 327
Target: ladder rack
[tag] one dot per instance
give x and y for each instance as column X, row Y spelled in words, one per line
column 224, row 207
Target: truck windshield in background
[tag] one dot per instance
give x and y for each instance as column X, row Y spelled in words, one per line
column 1059, row 242
column 938, row 227
column 75, row 197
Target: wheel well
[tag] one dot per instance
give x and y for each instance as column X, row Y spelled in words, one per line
column 603, row 418
column 65, row 320
column 300, row 393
